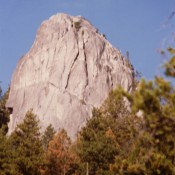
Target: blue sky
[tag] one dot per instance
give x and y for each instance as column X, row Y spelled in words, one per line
column 138, row 26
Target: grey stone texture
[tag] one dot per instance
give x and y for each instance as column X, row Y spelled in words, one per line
column 70, row 69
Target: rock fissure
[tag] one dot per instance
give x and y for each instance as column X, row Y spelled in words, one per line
column 53, row 85
column 86, row 65
column 71, row 70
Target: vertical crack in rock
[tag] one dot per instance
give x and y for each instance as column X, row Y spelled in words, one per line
column 102, row 50
column 71, row 70
column 86, row 66
column 112, row 84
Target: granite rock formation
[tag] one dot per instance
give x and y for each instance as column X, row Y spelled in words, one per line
column 70, row 69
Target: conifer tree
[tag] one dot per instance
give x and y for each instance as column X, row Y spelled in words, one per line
column 4, row 113
column 4, row 166
column 27, row 146
column 59, row 156
column 154, row 148
column 48, row 136
column 102, row 139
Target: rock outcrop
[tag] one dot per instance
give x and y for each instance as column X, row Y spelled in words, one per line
column 70, row 69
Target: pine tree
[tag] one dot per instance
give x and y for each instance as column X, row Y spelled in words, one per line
column 153, row 150
column 28, row 155
column 97, row 144
column 3, row 153
column 48, row 136
column 59, row 156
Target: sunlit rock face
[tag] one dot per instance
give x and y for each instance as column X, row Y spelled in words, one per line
column 70, row 69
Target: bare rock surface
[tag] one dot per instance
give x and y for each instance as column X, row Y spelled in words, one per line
column 70, row 69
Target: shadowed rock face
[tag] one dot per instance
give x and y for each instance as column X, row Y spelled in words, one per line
column 69, row 70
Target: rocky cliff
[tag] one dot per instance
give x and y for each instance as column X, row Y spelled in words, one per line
column 70, row 69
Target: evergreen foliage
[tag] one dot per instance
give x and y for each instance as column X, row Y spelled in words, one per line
column 154, row 148
column 170, row 65
column 4, row 113
column 4, row 154
column 107, row 135
column 97, row 146
column 48, row 136
column 27, row 147
column 59, row 155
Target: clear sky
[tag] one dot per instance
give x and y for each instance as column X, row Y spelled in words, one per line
column 138, row 26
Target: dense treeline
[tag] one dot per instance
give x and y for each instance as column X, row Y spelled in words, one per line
column 130, row 134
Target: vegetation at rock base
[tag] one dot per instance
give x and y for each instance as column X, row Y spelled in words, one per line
column 60, row 159
column 5, row 164
column 48, row 136
column 153, row 150
column 4, row 113
column 28, row 154
column 22, row 152
column 105, row 135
